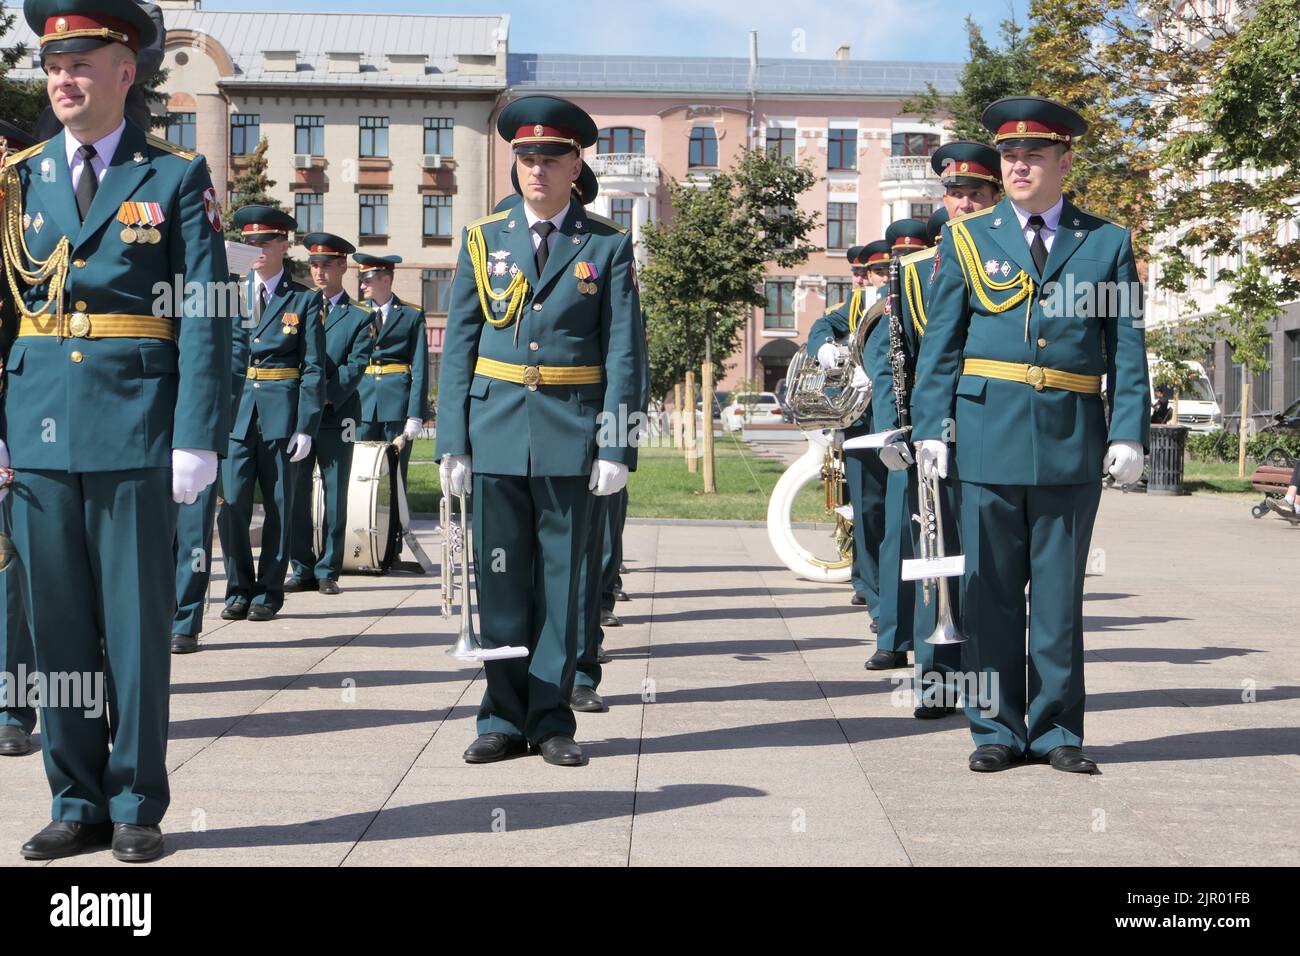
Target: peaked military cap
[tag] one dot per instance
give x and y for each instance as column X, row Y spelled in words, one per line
column 875, row 251
column 370, row 265
column 965, row 162
column 323, row 246
column 546, row 124
column 935, row 224
column 76, row 26
column 1032, row 121
column 906, row 235
column 14, row 138
column 857, row 255
column 260, row 223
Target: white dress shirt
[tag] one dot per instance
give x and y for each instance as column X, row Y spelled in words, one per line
column 104, row 150
column 334, row 300
column 1051, row 222
column 270, row 285
column 556, row 220
column 383, row 310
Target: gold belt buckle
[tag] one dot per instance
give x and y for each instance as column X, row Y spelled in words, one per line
column 532, row 376
column 79, row 325
column 1036, row 377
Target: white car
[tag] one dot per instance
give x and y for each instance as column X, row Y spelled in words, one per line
column 754, row 408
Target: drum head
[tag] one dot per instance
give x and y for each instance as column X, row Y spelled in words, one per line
column 387, row 523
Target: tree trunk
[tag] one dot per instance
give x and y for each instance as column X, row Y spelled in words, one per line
column 679, row 418
column 1241, row 428
column 706, row 386
column 1174, row 419
column 692, row 463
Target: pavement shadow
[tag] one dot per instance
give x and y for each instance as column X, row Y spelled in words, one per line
column 300, row 723
column 759, row 648
column 1105, row 596
column 340, row 640
column 769, row 612
column 523, row 811
column 772, row 691
column 1206, row 745
column 711, row 568
column 1099, row 623
column 315, row 680
column 1185, row 697
column 1169, row 655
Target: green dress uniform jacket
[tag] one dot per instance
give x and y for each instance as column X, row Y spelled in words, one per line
column 389, row 399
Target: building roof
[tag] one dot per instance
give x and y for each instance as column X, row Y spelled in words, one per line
column 246, row 37
column 694, row 74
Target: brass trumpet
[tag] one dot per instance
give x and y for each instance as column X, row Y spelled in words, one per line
column 931, row 548
column 457, row 539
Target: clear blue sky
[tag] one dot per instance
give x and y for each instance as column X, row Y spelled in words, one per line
column 874, row 29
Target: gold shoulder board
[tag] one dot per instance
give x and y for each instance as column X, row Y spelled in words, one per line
column 607, row 222
column 495, row 217
column 167, row 147
column 972, row 215
column 914, row 257
column 12, row 159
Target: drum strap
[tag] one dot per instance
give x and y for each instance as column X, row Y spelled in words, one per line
column 404, row 521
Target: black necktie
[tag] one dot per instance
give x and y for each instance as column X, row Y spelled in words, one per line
column 88, row 182
column 543, row 229
column 259, row 303
column 1038, row 248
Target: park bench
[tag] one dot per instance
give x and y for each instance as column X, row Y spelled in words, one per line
column 1272, row 481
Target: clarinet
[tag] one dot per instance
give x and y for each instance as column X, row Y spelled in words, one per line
column 899, row 363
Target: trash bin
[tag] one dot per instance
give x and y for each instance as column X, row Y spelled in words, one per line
column 1165, row 474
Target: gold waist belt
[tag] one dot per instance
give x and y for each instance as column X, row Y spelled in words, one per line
column 534, row 375
column 1034, row 375
column 387, row 369
column 273, row 374
column 86, row 325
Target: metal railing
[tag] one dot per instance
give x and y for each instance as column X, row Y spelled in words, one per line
column 906, row 167
column 629, row 165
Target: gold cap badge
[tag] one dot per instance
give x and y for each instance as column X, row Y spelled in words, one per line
column 1020, row 127
column 965, row 167
column 539, row 129
column 61, row 25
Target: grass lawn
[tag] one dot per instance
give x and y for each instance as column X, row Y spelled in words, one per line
column 1219, row 477
column 661, row 487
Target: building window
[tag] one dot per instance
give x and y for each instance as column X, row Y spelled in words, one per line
column 841, row 224
column 620, row 210
column 621, row 139
column 1291, row 370
column 180, row 130
column 921, row 210
column 245, row 133
column 780, row 142
column 437, row 217
column 374, row 215
column 704, row 147
column 436, row 293
column 1261, row 389
column 309, row 210
column 438, row 132
column 914, row 144
column 842, row 149
column 374, row 137
column 779, row 311
column 838, row 290
column 309, row 135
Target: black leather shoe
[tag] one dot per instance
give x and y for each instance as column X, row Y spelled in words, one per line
column 66, row 838
column 586, row 700
column 886, row 660
column 260, row 612
column 989, row 758
column 490, row 747
column 601, row 656
column 296, row 584
column 622, row 568
column 609, row 619
column 329, row 586
column 561, row 751
column 1071, row 760
column 620, row 595
column 236, row 611
column 136, row 844
column 931, row 711
column 859, row 599
column 184, row 643
column 875, row 628
column 14, row 741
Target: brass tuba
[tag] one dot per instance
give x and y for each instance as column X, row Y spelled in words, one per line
column 826, row 398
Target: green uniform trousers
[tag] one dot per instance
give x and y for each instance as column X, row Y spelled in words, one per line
column 866, row 477
column 1015, row 535
column 16, row 655
column 334, row 456
column 98, row 577
column 612, row 552
column 194, row 560
column 590, row 591
column 264, row 464
column 530, row 543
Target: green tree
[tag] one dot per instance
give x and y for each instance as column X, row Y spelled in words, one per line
column 1247, row 322
column 21, row 101
column 252, row 187
column 1174, row 344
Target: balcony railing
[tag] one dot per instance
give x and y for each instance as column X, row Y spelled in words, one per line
column 906, row 167
column 625, row 165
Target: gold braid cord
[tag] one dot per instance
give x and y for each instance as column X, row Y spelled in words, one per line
column 855, row 310
column 912, row 293
column 514, row 292
column 978, row 281
column 17, row 256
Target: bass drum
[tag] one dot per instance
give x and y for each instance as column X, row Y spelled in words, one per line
column 372, row 531
column 833, row 568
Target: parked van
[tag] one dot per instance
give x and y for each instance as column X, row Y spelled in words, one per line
column 1198, row 409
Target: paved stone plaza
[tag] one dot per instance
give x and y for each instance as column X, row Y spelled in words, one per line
column 742, row 727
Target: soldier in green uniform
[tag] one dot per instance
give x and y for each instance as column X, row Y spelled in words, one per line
column 969, row 173
column 394, row 389
column 349, row 338
column 863, row 472
column 276, row 420
column 541, row 347
column 1019, row 368
column 17, row 717
column 114, row 411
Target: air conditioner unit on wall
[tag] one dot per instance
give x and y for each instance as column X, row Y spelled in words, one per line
column 431, row 160
column 301, row 161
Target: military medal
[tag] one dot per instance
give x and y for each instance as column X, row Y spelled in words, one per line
column 498, row 267
column 586, row 274
column 38, row 222
column 139, row 220
column 27, row 221
column 1006, row 269
column 290, row 326
column 991, row 267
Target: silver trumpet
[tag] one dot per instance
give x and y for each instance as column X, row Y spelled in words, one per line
column 931, row 548
column 457, row 540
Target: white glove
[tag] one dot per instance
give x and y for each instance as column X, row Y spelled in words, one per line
column 607, row 477
column 299, row 446
column 896, row 456
column 413, row 428
column 826, row 355
column 860, row 380
column 193, row 469
column 4, row 463
column 932, row 457
column 1124, row 461
column 456, row 475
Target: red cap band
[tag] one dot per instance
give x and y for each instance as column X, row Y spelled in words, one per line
column 70, row 26
column 1032, row 129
